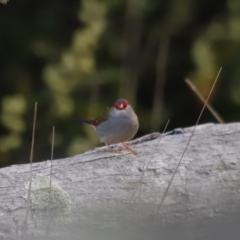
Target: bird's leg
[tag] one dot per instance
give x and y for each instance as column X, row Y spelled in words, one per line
column 129, row 148
column 112, row 150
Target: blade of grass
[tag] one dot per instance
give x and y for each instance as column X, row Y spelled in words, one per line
column 31, row 161
column 210, row 108
column 145, row 169
column 49, row 221
column 204, row 106
column 52, row 152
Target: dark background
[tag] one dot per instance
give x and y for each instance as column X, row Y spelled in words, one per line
column 75, row 58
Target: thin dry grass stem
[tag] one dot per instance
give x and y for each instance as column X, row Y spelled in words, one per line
column 31, row 161
column 145, row 168
column 52, row 152
column 210, row 108
column 48, row 226
column 204, row 106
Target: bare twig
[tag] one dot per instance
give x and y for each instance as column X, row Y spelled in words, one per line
column 146, row 168
column 210, row 108
column 31, row 160
column 204, row 106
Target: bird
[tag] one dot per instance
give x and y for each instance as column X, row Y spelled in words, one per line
column 117, row 124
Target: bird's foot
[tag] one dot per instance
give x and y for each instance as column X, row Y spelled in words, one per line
column 110, row 149
column 129, row 148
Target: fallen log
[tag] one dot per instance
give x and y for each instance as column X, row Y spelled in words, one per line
column 100, row 192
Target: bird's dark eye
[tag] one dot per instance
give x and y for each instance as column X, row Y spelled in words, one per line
column 125, row 104
column 121, row 105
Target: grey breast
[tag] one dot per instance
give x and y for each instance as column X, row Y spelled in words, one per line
column 121, row 126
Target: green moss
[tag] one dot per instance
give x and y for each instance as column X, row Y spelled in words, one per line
column 46, row 207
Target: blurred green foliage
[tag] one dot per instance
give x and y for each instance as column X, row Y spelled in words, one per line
column 75, row 58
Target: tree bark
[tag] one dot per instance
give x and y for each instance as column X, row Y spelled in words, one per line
column 100, row 189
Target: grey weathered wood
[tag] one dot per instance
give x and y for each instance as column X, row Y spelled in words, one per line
column 101, row 185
